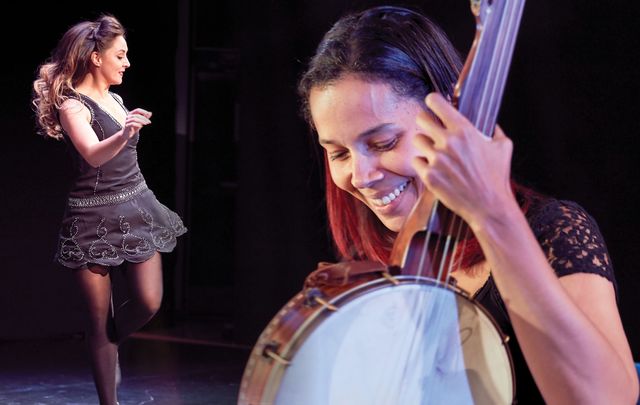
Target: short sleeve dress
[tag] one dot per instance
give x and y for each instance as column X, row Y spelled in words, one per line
column 112, row 216
column 573, row 243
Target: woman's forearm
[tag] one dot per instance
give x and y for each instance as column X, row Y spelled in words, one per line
column 571, row 359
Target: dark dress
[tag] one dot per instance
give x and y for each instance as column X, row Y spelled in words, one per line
column 111, row 215
column 572, row 242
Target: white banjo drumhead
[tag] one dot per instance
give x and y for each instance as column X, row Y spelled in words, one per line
column 413, row 343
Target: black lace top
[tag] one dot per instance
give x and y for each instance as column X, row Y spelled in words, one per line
column 572, row 242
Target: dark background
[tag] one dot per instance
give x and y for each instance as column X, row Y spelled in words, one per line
column 228, row 151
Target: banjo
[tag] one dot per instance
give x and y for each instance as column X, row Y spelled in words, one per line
column 361, row 332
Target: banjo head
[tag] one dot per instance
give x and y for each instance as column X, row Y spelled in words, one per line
column 416, row 342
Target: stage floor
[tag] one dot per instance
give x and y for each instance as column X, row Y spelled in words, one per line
column 157, row 368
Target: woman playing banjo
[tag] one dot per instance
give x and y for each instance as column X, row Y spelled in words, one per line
column 377, row 95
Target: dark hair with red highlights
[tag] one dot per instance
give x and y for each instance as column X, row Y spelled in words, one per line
column 357, row 232
column 412, row 54
column 386, row 44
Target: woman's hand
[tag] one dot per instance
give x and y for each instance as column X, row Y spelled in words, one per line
column 135, row 120
column 466, row 170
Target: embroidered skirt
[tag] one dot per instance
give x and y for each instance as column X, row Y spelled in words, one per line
column 109, row 229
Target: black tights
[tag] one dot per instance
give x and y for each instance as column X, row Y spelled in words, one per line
column 109, row 327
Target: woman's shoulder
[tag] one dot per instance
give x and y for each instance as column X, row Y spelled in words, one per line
column 74, row 109
column 559, row 214
column 545, row 208
column 74, row 105
column 570, row 237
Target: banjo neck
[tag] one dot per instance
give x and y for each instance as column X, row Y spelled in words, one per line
column 478, row 92
column 432, row 228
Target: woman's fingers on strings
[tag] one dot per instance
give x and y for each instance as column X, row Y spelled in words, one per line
column 502, row 141
column 421, row 166
column 443, row 109
column 442, row 120
column 498, row 133
column 452, row 123
column 425, row 162
column 424, row 145
column 431, row 126
column 450, row 117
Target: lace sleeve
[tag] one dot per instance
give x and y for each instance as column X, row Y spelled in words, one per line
column 571, row 240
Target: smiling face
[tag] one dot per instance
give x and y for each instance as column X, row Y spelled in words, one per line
column 113, row 61
column 367, row 130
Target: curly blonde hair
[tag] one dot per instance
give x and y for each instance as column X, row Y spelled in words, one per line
column 68, row 65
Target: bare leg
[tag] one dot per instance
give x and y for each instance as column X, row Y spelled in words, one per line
column 145, row 285
column 95, row 285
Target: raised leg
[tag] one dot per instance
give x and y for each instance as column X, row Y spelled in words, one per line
column 145, row 287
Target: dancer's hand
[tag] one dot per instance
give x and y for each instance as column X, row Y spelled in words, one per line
column 136, row 119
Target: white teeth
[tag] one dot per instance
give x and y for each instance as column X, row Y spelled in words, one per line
column 381, row 202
